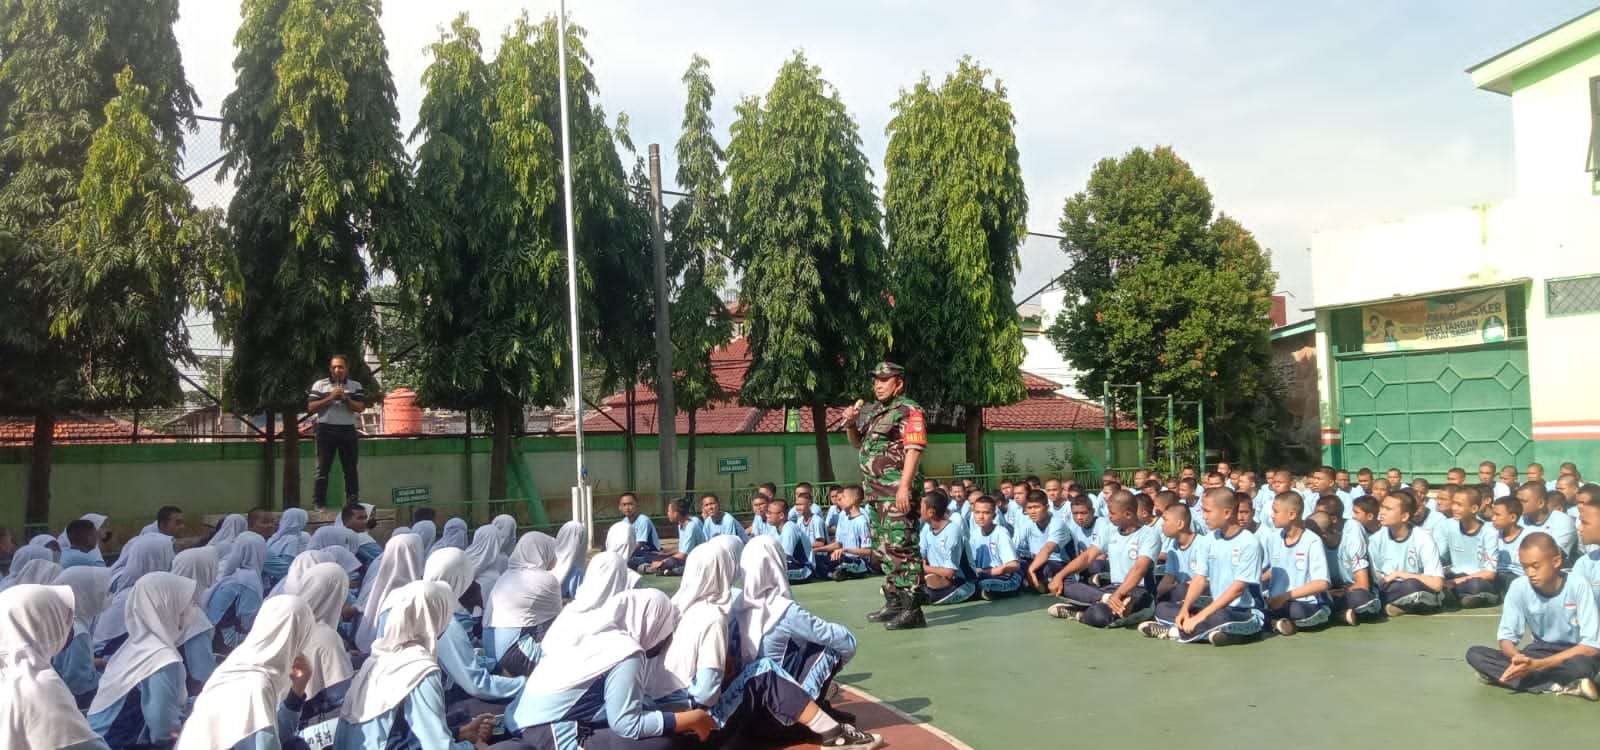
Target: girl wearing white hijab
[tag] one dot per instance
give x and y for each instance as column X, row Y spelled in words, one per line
column 400, row 564
column 772, row 626
column 289, row 540
column 141, row 556
column 91, row 594
column 398, row 696
column 620, row 542
column 699, row 649
column 71, row 557
column 483, row 554
column 428, row 531
column 323, row 588
column 37, row 711
column 38, row 572
column 231, row 527
column 507, row 526
column 607, row 577
column 524, row 603
column 334, row 536
column 572, row 543
column 198, row 564
column 551, row 713
column 291, row 580
column 465, row 676
column 253, row 701
column 455, row 535
column 142, row 695
column 536, row 550
column 22, row 557
column 233, row 604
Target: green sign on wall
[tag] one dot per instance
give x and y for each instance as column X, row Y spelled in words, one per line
column 733, row 465
column 411, row 495
column 964, row 470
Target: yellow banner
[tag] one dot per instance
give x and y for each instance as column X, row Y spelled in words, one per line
column 1435, row 323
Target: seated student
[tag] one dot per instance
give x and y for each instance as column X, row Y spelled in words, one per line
column 758, row 515
column 791, row 540
column 619, row 542
column 1504, row 515
column 1230, row 573
column 830, row 514
column 237, row 597
column 289, row 540
column 770, row 625
column 646, row 543
column 1247, row 513
column 1088, row 529
column 83, row 546
column 359, row 519
column 1507, row 486
column 1297, row 569
column 948, row 576
column 397, row 698
column 1145, row 512
column 716, row 522
column 606, row 578
column 691, row 534
column 959, row 510
column 141, row 697
column 1126, row 599
column 1041, row 542
column 1472, row 550
column 400, row 564
column 323, row 587
column 849, row 555
column 1537, row 517
column 1587, row 566
column 1433, row 522
column 253, row 701
column 1351, row 594
column 141, row 556
column 1008, row 514
column 1185, row 551
column 1405, row 560
column 38, row 711
column 198, row 564
column 572, row 544
column 524, row 603
column 1262, row 499
column 1559, row 611
column 465, row 676
column 989, row 548
column 91, row 595
column 810, row 522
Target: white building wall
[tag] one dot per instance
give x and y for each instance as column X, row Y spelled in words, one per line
column 1039, row 354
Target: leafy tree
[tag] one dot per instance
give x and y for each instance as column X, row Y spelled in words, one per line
column 955, row 212
column 1161, row 291
column 392, row 339
column 696, row 264
column 58, row 66
column 313, row 147
column 805, row 227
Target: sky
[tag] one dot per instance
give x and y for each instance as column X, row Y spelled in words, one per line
column 1300, row 116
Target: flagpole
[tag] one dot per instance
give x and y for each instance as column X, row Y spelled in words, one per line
column 581, row 500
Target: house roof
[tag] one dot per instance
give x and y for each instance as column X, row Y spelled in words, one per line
column 1498, row 73
column 75, row 428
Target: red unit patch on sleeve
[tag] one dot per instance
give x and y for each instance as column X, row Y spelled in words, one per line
column 916, row 430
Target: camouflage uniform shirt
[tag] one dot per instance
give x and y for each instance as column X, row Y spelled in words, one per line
column 887, row 432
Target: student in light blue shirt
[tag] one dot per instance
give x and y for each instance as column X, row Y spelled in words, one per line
column 849, row 555
column 769, row 624
column 949, row 577
column 1231, row 573
column 238, row 594
column 1506, row 515
column 791, row 540
column 1471, row 549
column 253, row 701
column 198, row 564
column 646, row 542
column 1185, row 552
column 39, row 710
column 810, row 522
column 991, row 552
column 1131, row 555
column 716, row 522
column 1351, row 595
column 758, row 515
column 466, row 675
column 82, row 545
column 141, row 696
column 1041, row 541
column 1559, row 611
column 1537, row 517
column 1297, row 570
column 1088, row 529
column 91, row 594
column 1587, row 565
column 691, row 534
column 1405, row 560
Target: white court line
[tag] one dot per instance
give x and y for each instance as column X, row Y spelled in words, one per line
column 909, row 719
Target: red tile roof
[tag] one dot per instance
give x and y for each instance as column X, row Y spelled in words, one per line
column 75, row 428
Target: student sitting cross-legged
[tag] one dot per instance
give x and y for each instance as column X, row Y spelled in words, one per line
column 791, row 539
column 1472, row 550
column 1131, row 552
column 849, row 555
column 1230, row 572
column 1351, row 595
column 1185, row 552
column 948, row 576
column 993, row 557
column 1506, row 517
column 691, row 533
column 1297, row 569
column 1405, row 560
column 1558, row 609
column 1041, row 541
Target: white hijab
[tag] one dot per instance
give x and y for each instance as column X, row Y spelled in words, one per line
column 605, row 579
column 290, row 583
column 572, row 542
column 286, row 541
column 24, row 555
column 243, row 695
column 38, row 572
column 99, row 521
column 141, row 556
column 158, row 612
column 484, row 557
column 536, row 550
column 454, row 536
column 37, row 711
column 323, row 588
column 449, row 566
column 508, row 534
column 427, row 531
column 246, row 562
column 631, row 623
column 620, row 542
column 400, row 565
column 198, row 564
column 766, row 594
column 704, row 602
column 331, row 536
column 405, row 655
column 91, row 594
column 228, row 530
column 523, row 599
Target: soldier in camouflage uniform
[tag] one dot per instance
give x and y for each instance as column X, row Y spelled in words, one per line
column 891, row 434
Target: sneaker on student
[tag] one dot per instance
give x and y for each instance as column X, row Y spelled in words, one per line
column 839, row 574
column 986, row 595
column 1584, row 688
column 642, row 569
column 1351, row 618
column 1486, row 679
column 1222, row 638
column 850, row 738
column 1284, row 626
column 1393, row 610
column 1153, row 629
column 1475, row 601
column 1062, row 611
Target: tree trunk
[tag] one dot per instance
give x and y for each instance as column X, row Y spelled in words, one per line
column 291, row 460
column 38, row 506
column 688, row 470
column 499, row 450
column 975, row 438
column 819, row 424
column 269, row 448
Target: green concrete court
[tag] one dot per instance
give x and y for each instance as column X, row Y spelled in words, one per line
column 1000, row 675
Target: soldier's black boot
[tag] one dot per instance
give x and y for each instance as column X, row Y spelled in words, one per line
column 910, row 616
column 891, row 606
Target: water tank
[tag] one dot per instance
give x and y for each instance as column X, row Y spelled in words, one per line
column 401, row 416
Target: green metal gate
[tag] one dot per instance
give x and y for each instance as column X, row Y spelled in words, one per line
column 1425, row 412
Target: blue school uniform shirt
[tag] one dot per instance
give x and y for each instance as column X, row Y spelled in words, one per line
column 1308, row 504
column 792, row 540
column 1183, row 563
column 244, row 602
column 1470, row 553
column 1350, row 557
column 798, row 634
column 1297, row 565
column 1560, row 527
column 1030, row 538
column 615, row 699
column 691, row 535
column 853, row 532
column 815, row 529
column 1568, row 617
column 759, row 526
column 463, row 671
column 1124, row 550
column 418, row 721
column 946, row 548
column 1587, row 567
column 149, row 714
column 1098, row 534
column 991, row 550
column 1064, row 512
column 644, row 535
column 1438, row 527
column 1010, row 517
column 1417, row 554
column 1230, row 559
column 724, row 524
column 75, row 664
column 1506, row 559
column 71, row 558
column 1197, row 520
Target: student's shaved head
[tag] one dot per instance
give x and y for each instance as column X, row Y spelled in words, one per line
column 1123, row 501
column 1221, row 497
column 1291, row 500
column 1541, row 541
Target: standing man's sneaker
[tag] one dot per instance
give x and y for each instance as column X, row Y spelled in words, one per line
column 850, row 738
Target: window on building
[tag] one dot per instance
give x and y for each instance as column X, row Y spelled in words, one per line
column 1573, row 296
column 1594, row 127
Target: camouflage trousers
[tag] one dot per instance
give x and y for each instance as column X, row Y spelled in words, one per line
column 894, row 540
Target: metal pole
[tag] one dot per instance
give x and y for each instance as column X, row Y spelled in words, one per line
column 1138, row 411
column 1172, row 440
column 666, row 407
column 1105, row 401
column 572, row 253
column 1200, row 424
